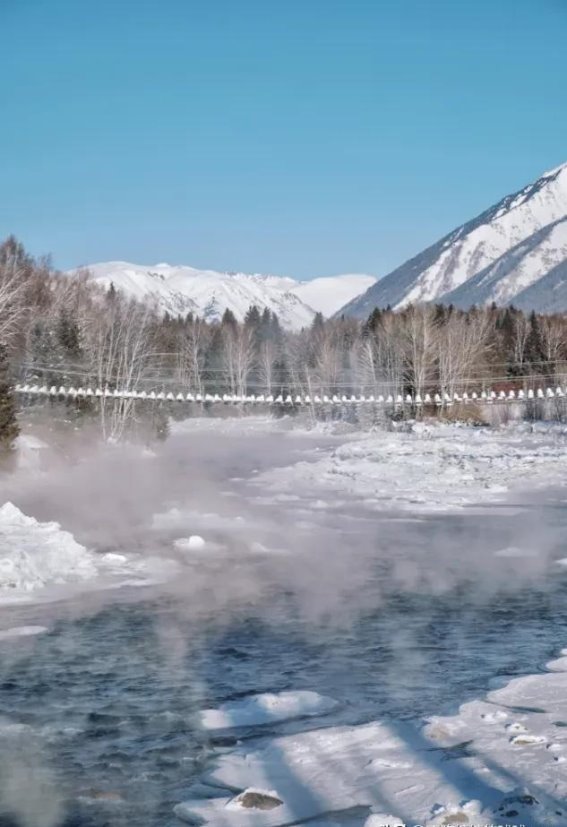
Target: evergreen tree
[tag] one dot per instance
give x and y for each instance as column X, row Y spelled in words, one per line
column 534, row 345
column 318, row 323
column 9, row 428
column 229, row 319
column 68, row 334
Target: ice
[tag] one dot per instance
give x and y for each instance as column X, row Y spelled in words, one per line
column 333, row 770
column 383, row 820
column 192, row 543
column 557, row 665
column 22, row 631
column 34, row 554
column 436, row 469
column 266, row 708
column 496, row 761
column 542, row 691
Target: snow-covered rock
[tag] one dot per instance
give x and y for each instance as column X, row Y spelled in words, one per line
column 208, row 293
column 266, row 708
column 515, row 251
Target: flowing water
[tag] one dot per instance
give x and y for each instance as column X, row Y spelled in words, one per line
column 394, row 616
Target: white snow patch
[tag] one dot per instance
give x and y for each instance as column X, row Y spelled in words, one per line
column 192, row 543
column 267, row 708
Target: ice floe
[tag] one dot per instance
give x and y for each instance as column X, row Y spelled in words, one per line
column 22, row 631
column 497, row 761
column 428, row 469
column 266, row 708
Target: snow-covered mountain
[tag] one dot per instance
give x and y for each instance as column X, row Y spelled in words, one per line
column 207, row 293
column 503, row 255
column 329, row 293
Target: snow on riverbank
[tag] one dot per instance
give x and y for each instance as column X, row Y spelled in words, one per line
column 35, row 556
column 429, row 467
column 266, row 708
column 499, row 761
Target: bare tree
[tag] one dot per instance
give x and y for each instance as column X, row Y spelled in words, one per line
column 120, row 351
column 419, row 339
column 237, row 357
column 553, row 332
column 267, row 357
column 191, row 355
column 461, row 349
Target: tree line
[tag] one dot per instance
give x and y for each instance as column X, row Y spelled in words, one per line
column 57, row 330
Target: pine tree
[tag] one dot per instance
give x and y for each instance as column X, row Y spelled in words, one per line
column 534, row 345
column 9, row 428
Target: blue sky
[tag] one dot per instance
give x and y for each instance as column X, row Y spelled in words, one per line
column 302, row 137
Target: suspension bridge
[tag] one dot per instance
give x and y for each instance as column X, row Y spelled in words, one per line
column 435, row 399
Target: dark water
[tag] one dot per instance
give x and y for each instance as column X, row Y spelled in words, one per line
column 393, row 618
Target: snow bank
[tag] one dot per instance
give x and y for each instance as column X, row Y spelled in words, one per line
column 429, row 468
column 266, row 708
column 34, row 554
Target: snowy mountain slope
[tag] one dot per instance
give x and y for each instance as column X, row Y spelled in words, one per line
column 207, row 293
column 329, row 294
column 548, row 295
column 515, row 272
column 477, row 245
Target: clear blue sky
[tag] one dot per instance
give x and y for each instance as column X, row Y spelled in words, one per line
column 302, row 137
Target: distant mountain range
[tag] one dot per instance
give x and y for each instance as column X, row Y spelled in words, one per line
column 207, row 293
column 514, row 253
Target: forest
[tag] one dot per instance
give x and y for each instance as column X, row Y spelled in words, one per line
column 58, row 330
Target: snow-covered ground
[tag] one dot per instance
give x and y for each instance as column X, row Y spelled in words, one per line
column 429, row 467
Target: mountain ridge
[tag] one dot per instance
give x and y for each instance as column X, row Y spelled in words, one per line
column 445, row 270
column 181, row 289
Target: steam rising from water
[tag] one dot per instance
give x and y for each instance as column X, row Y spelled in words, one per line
column 320, row 570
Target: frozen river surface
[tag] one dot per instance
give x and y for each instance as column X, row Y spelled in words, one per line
column 396, row 616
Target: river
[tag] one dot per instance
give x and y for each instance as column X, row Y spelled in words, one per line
column 395, row 616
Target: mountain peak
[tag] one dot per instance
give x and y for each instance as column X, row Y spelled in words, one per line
column 553, row 173
column 494, row 257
